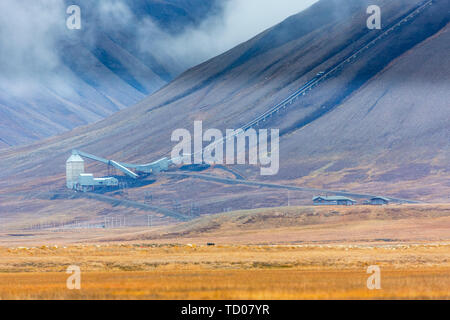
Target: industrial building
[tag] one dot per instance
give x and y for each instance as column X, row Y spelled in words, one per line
column 379, row 201
column 333, row 200
column 77, row 179
column 74, row 168
column 87, row 182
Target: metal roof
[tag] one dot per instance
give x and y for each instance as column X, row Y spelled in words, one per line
column 382, row 198
column 333, row 198
column 75, row 158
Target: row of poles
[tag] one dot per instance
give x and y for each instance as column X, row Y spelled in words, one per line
column 106, row 223
column 111, row 222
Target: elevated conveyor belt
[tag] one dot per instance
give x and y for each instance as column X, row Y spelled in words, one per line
column 123, row 169
column 154, row 167
column 321, row 76
column 108, row 162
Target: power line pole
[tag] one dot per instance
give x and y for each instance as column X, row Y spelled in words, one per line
column 289, row 198
column 149, row 221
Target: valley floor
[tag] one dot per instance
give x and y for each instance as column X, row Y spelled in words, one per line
column 307, row 253
column 227, row 272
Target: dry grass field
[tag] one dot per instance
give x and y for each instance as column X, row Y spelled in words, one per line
column 280, row 253
column 229, row 284
column 226, row 272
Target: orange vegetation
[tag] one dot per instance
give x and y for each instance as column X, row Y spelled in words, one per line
column 226, row 272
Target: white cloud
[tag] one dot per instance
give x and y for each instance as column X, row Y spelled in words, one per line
column 239, row 21
column 31, row 34
column 29, row 31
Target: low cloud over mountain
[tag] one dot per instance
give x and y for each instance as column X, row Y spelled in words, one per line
column 53, row 79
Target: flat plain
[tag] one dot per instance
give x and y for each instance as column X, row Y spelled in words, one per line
column 295, row 260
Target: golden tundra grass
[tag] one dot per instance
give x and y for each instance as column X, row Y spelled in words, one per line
column 226, row 272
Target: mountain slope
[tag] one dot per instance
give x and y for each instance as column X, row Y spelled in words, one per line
column 379, row 125
column 392, row 131
column 95, row 71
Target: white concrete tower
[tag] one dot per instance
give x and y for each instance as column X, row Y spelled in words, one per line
column 74, row 167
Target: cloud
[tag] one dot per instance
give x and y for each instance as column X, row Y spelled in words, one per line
column 32, row 34
column 29, row 31
column 238, row 21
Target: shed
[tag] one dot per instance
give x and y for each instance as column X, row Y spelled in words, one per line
column 86, row 181
column 379, row 201
column 333, row 200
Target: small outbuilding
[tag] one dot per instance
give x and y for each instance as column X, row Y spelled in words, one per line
column 333, row 200
column 379, row 201
column 86, row 182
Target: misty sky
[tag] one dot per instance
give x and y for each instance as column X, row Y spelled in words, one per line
column 239, row 21
column 30, row 32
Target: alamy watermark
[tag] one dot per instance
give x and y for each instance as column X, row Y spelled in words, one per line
column 234, row 147
column 74, row 281
column 73, row 22
column 374, row 20
column 374, row 281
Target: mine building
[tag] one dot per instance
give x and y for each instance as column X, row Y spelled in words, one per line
column 333, row 200
column 87, row 182
column 379, row 201
column 74, row 167
column 77, row 179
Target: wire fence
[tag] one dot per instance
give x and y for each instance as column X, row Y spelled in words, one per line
column 82, row 224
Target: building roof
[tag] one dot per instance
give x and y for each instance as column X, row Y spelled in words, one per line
column 105, row 179
column 333, row 198
column 75, row 158
column 382, row 198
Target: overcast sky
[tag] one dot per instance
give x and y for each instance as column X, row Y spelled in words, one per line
column 240, row 21
column 30, row 32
